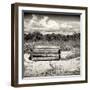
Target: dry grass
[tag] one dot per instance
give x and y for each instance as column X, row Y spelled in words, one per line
column 52, row 68
column 69, row 64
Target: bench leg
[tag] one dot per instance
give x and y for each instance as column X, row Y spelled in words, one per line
column 30, row 58
column 59, row 56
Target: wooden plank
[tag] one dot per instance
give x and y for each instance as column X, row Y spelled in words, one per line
column 44, row 58
column 46, row 46
column 45, row 52
column 45, row 55
column 41, row 50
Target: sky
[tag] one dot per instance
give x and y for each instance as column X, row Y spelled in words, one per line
column 47, row 24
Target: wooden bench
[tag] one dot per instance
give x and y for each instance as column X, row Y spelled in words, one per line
column 45, row 53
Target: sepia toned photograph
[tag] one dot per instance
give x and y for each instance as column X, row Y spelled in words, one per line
column 51, row 45
column 48, row 44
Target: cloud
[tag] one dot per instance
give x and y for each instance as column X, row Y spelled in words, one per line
column 52, row 24
column 31, row 23
column 48, row 24
column 43, row 21
column 66, row 25
column 45, row 24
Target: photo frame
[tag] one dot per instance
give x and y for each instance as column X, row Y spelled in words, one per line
column 48, row 44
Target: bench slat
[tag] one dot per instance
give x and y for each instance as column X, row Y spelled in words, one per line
column 44, row 55
column 45, row 58
column 43, row 50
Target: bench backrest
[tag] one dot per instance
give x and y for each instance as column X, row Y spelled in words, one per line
column 45, row 54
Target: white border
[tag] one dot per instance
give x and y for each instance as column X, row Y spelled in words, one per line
column 56, row 79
